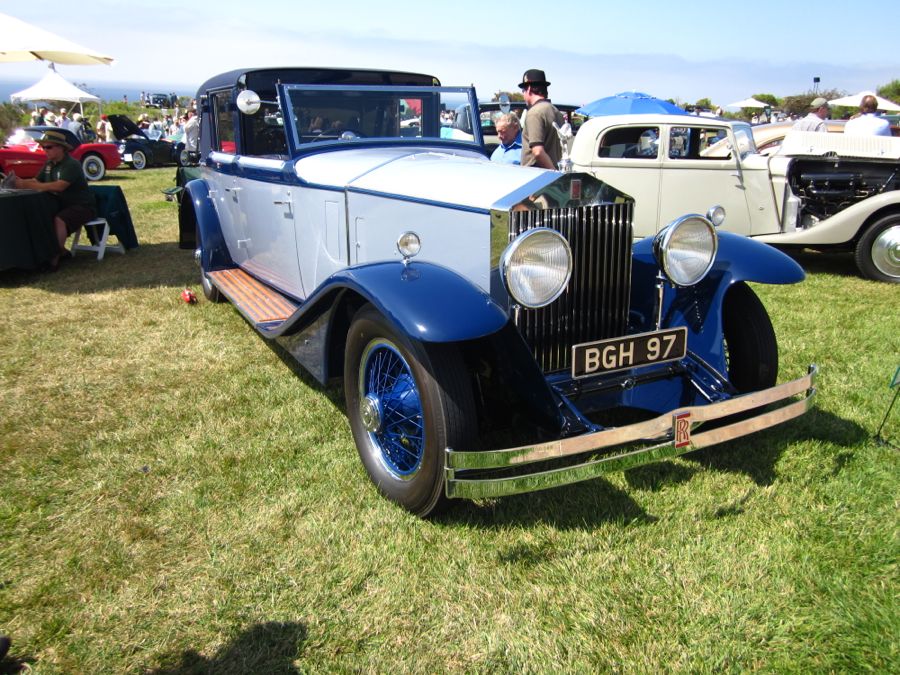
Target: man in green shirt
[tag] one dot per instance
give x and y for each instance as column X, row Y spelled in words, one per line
column 540, row 142
column 63, row 176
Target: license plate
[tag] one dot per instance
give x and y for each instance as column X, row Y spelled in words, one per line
column 607, row 356
column 127, row 157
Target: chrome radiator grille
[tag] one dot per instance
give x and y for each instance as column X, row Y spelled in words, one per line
column 595, row 304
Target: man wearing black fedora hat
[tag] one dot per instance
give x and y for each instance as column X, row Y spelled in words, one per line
column 540, row 142
column 62, row 176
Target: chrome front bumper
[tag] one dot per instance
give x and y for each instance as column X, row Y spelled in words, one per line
column 668, row 435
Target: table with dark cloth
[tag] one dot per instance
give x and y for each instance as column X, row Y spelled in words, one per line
column 27, row 238
column 111, row 205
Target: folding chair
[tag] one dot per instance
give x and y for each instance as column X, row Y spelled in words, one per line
column 98, row 230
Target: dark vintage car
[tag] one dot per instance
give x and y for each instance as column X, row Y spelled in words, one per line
column 22, row 154
column 161, row 100
column 497, row 328
column 141, row 148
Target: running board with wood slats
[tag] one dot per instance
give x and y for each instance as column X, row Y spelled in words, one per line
column 261, row 305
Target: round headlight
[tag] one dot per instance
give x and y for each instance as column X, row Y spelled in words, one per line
column 536, row 267
column 685, row 249
column 409, row 244
column 716, row 215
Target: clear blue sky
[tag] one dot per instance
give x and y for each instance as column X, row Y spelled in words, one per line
column 680, row 50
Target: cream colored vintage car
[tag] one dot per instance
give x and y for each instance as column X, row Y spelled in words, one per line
column 819, row 191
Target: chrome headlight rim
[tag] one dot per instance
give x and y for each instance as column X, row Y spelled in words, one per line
column 508, row 267
column 665, row 248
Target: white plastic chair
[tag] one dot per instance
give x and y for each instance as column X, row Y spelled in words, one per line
column 101, row 235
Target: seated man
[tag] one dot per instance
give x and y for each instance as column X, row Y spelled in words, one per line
column 62, row 176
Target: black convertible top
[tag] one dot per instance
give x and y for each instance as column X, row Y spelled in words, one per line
column 264, row 79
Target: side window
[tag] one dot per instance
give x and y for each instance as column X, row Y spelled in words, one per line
column 699, row 143
column 263, row 131
column 630, row 142
column 224, row 131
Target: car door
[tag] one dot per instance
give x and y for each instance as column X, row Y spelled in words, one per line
column 268, row 205
column 222, row 182
column 701, row 169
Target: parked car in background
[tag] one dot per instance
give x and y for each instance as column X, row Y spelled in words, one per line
column 22, row 154
column 161, row 100
column 487, row 320
column 140, row 148
column 488, row 111
column 768, row 137
column 827, row 192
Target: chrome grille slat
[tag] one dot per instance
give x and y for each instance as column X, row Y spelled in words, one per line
column 595, row 304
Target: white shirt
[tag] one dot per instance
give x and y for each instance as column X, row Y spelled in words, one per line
column 867, row 125
column 192, row 134
column 811, row 122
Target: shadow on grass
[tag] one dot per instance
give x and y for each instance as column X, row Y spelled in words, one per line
column 147, row 266
column 584, row 505
column 16, row 664
column 334, row 392
column 757, row 456
column 263, row 648
column 839, row 263
column 578, row 506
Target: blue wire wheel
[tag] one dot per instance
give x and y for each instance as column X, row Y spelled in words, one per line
column 391, row 408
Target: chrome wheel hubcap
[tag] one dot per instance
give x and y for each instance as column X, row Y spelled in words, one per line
column 886, row 251
column 370, row 413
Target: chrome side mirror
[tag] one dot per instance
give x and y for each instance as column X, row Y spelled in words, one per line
column 248, row 102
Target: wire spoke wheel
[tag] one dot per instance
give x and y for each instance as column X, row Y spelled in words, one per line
column 387, row 386
column 407, row 402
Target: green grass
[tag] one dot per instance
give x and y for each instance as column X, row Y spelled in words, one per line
column 176, row 498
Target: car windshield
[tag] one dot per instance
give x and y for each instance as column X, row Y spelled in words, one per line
column 743, row 134
column 24, row 137
column 324, row 113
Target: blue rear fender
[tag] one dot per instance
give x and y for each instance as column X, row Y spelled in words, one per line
column 214, row 253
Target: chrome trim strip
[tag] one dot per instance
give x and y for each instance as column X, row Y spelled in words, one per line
column 657, row 429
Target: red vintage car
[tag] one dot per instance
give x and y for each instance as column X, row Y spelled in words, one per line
column 22, row 154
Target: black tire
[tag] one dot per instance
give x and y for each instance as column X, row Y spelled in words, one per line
column 210, row 291
column 406, row 401
column 752, row 350
column 93, row 166
column 878, row 250
column 138, row 160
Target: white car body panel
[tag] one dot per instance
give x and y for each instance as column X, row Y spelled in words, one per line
column 444, row 197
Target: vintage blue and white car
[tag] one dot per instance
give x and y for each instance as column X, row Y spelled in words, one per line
column 492, row 324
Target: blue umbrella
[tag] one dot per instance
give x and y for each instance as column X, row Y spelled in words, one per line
column 629, row 103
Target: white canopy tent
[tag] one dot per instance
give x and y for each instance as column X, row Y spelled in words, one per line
column 21, row 41
column 854, row 100
column 54, row 87
column 748, row 103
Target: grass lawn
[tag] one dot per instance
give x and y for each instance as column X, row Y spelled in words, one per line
column 176, row 498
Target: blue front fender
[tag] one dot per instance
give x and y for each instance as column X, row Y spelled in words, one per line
column 214, row 252
column 742, row 259
column 427, row 302
column 700, row 307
